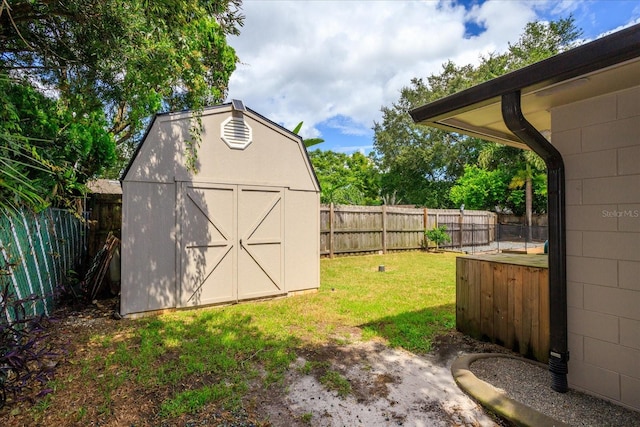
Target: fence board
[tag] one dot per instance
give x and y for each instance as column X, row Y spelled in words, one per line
column 528, row 299
column 500, row 303
column 462, row 292
column 474, row 299
column 543, row 283
column 486, row 300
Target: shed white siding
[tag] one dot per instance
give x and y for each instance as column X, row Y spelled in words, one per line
column 148, row 246
column 246, row 225
column 600, row 142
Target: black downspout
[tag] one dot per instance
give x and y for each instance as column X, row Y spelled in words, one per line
column 558, row 351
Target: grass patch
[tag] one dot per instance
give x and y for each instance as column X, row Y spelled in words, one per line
column 334, row 381
column 193, row 358
column 408, row 304
column 191, row 401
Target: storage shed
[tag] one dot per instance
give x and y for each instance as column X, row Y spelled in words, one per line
column 244, row 226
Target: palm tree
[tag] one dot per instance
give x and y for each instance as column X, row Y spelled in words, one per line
column 526, row 163
column 16, row 188
column 307, row 142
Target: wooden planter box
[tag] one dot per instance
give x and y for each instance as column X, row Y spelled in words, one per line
column 504, row 298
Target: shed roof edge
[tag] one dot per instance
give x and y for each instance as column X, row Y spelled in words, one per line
column 228, row 105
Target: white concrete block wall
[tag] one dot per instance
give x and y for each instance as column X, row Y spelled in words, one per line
column 600, row 143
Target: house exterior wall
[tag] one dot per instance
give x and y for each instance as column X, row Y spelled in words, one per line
column 599, row 140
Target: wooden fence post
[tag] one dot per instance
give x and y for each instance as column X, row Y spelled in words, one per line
column 460, row 224
column 331, row 230
column 384, row 229
column 425, row 222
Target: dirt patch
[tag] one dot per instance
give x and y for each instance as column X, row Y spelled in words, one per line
column 390, row 387
column 452, row 344
column 386, row 386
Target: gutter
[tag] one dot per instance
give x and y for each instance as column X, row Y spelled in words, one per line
column 558, row 348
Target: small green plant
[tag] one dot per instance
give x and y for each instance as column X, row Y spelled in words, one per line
column 306, row 418
column 306, row 368
column 190, row 401
column 81, row 413
column 333, row 380
column 438, row 235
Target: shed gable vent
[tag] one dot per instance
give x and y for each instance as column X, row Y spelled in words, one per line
column 236, row 133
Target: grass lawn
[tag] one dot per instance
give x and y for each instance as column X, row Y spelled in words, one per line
column 178, row 363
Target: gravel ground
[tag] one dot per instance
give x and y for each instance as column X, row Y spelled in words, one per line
column 530, row 384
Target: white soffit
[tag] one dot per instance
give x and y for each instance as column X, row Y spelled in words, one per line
column 485, row 121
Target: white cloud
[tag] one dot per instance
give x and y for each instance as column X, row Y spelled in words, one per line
column 313, row 61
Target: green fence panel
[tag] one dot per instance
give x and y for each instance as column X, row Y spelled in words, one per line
column 37, row 250
column 27, row 262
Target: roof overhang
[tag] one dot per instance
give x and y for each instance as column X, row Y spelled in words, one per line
column 606, row 65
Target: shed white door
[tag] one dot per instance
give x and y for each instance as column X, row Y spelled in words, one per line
column 261, row 248
column 208, row 228
column 232, row 243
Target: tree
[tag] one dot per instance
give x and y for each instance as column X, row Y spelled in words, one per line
column 310, row 142
column 421, row 164
column 480, row 188
column 524, row 167
column 346, row 179
column 418, row 163
column 499, row 189
column 118, row 63
column 46, row 152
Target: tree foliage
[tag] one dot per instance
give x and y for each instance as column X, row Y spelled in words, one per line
column 346, row 179
column 421, row 164
column 86, row 75
column 437, row 235
column 498, row 189
column 480, row 188
column 527, row 188
column 46, row 152
column 309, row 142
column 126, row 59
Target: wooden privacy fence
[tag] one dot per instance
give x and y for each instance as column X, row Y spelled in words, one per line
column 105, row 212
column 353, row 229
column 36, row 253
column 505, row 299
column 105, row 216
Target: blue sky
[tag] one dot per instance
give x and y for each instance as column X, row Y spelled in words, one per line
column 334, row 64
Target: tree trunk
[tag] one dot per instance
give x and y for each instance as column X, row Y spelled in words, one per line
column 528, row 201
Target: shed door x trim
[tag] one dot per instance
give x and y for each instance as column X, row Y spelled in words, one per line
column 231, row 243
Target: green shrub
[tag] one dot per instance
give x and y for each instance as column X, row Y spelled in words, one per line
column 438, row 235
